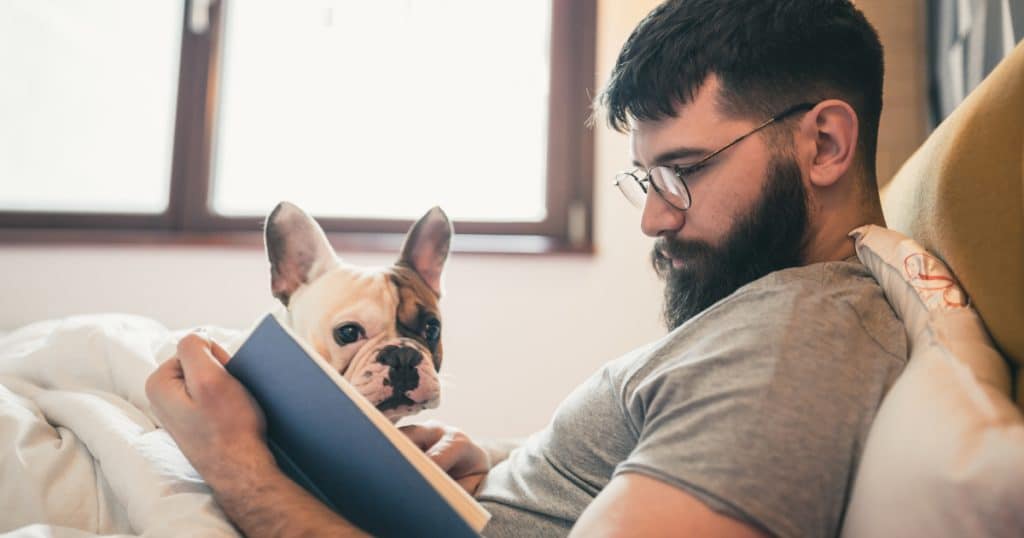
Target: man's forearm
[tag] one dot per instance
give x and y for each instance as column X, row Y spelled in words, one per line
column 270, row 504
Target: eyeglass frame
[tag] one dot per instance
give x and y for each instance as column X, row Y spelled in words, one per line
column 680, row 170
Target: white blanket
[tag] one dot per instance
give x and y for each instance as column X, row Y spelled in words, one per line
column 80, row 450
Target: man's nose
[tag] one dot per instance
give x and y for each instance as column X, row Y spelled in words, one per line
column 660, row 218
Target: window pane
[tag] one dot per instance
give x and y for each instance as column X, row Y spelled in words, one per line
column 87, row 101
column 381, row 109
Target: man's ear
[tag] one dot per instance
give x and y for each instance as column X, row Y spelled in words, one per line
column 833, row 126
column 426, row 247
column 297, row 248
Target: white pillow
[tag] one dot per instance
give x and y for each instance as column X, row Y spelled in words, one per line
column 945, row 455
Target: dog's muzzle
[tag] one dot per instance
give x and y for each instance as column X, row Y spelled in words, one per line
column 402, row 361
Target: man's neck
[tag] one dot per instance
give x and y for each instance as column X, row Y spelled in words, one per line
column 831, row 240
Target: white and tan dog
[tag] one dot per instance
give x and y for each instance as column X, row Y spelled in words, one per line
column 380, row 328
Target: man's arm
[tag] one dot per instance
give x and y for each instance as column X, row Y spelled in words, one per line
column 221, row 431
column 633, row 504
column 271, row 504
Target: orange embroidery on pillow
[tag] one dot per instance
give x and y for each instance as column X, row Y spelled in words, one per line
column 932, row 280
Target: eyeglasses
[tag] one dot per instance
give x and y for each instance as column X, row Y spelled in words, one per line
column 669, row 180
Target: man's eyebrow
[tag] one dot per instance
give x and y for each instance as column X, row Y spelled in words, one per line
column 676, row 154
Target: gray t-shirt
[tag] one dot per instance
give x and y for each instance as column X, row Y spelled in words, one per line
column 759, row 407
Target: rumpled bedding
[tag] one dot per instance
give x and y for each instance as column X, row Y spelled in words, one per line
column 81, row 453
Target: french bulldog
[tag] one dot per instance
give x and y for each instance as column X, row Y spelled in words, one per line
column 379, row 327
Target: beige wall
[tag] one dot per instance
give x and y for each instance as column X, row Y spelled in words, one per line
column 901, row 27
column 520, row 332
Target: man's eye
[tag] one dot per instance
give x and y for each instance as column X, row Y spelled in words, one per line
column 690, row 171
column 348, row 333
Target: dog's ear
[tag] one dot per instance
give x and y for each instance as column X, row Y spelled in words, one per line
column 297, row 248
column 426, row 247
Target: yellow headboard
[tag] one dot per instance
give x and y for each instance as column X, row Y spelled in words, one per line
column 961, row 195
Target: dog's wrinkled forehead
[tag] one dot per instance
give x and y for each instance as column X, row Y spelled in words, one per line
column 344, row 294
column 417, row 304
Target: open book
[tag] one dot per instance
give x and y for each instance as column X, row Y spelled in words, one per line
column 331, row 440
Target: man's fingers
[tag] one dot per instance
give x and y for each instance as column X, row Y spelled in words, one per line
column 165, row 388
column 451, row 449
column 200, row 340
column 425, row 435
column 219, row 353
column 456, row 454
column 445, row 454
column 167, row 375
column 199, row 366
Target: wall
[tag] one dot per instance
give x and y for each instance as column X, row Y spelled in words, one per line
column 902, row 29
column 520, row 332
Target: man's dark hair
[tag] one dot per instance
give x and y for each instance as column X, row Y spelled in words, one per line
column 767, row 54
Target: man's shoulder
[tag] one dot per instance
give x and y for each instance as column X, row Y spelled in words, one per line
column 795, row 318
column 838, row 280
column 833, row 298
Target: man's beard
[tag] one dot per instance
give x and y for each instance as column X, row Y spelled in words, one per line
column 769, row 238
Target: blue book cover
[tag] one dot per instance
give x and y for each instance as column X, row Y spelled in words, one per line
column 333, row 442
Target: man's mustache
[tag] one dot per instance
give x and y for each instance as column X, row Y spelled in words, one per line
column 665, row 250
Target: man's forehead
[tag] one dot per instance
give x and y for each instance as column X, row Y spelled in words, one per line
column 692, row 126
column 653, row 141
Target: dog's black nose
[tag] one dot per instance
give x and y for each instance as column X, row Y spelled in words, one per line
column 402, row 361
column 399, row 357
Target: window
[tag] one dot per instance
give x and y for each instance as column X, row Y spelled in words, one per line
column 966, row 40
column 366, row 113
column 85, row 116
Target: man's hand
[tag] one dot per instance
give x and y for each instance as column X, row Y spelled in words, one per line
column 211, row 416
column 453, row 451
column 222, row 431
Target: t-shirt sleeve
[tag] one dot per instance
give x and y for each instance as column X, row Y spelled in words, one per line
column 763, row 420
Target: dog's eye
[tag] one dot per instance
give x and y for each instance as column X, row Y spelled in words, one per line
column 348, row 333
column 432, row 331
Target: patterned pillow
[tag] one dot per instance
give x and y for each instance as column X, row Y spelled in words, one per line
column 945, row 455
